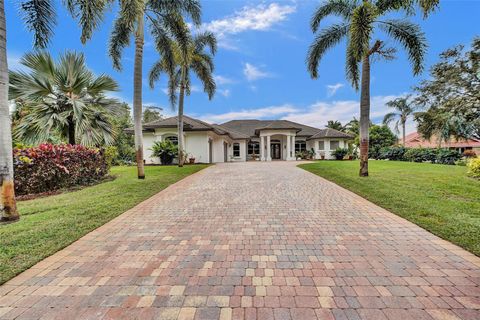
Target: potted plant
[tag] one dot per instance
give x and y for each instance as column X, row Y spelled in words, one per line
column 339, row 153
column 322, row 155
column 165, row 150
column 191, row 159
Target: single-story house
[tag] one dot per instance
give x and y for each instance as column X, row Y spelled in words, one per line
column 243, row 140
column 415, row 140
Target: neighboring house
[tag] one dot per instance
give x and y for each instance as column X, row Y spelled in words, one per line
column 415, row 140
column 243, row 140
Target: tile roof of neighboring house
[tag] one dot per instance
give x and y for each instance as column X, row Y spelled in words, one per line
column 415, row 140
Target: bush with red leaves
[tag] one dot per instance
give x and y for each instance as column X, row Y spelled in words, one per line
column 50, row 167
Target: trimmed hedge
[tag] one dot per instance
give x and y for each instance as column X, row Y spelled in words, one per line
column 51, row 167
column 399, row 153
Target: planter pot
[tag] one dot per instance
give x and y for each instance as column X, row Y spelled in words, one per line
column 166, row 159
column 191, row 160
column 322, row 157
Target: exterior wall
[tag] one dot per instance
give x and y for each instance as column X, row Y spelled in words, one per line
column 148, row 140
column 282, row 136
column 196, row 145
column 243, row 151
column 328, row 152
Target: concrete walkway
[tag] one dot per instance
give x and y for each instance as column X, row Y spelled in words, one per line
column 251, row 241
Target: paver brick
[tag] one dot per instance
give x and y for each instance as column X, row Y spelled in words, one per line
column 251, row 241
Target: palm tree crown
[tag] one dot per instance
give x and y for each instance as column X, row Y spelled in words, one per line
column 63, row 98
column 404, row 109
column 360, row 20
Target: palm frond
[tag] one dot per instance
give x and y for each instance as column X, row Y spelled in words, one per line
column 101, row 84
column 427, row 6
column 352, row 70
column 326, row 39
column 410, row 36
column 342, row 8
column 389, row 117
column 204, row 72
column 361, row 28
column 119, row 39
column 191, row 8
column 89, row 14
column 205, row 39
column 40, row 18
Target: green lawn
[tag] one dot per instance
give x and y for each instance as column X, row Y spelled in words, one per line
column 439, row 198
column 50, row 224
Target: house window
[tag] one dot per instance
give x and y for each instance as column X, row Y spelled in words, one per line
column 321, row 145
column 236, row 149
column 334, row 144
column 300, row 146
column 253, row 147
column 173, row 139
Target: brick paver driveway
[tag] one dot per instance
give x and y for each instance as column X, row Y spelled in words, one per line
column 246, row 241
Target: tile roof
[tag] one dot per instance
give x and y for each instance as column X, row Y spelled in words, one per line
column 252, row 128
column 244, row 129
column 415, row 140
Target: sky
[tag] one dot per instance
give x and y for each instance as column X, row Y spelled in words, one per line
column 260, row 67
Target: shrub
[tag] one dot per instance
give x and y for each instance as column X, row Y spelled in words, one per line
column 415, row 155
column 473, row 166
column 165, row 150
column 51, row 167
column 339, row 153
column 447, row 156
column 111, row 155
column 393, row 153
column 469, row 154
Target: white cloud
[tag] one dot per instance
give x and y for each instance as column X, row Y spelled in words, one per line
column 260, row 18
column 225, row 92
column 259, row 113
column 253, row 73
column 318, row 114
column 220, row 80
column 333, row 88
column 14, row 64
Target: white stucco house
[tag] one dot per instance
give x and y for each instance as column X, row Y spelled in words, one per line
column 243, row 140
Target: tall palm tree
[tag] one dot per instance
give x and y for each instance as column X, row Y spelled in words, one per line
column 163, row 17
column 63, row 98
column 360, row 20
column 404, row 110
column 189, row 54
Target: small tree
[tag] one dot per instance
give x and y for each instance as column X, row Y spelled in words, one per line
column 405, row 109
column 165, row 150
column 189, row 54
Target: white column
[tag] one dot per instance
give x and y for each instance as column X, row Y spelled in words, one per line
column 269, row 158
column 288, row 148
column 262, row 149
column 293, row 147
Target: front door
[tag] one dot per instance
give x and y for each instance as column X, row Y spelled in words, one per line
column 275, row 150
column 225, row 152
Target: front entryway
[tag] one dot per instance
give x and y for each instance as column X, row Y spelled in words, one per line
column 276, row 150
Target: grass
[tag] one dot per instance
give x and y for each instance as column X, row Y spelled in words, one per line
column 438, row 198
column 52, row 223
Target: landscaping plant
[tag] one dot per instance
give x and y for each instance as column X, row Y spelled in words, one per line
column 340, row 153
column 473, row 166
column 51, row 167
column 165, row 150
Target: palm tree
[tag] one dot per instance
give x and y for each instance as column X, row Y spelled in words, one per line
column 404, row 110
column 189, row 54
column 64, row 99
column 337, row 125
column 359, row 21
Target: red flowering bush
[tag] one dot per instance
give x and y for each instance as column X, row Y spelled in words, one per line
column 50, row 167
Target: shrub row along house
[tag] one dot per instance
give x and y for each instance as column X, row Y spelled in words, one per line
column 244, row 140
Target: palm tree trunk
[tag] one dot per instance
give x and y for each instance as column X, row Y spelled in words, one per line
column 364, row 116
column 71, row 131
column 8, row 207
column 180, row 117
column 137, row 97
column 403, row 134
